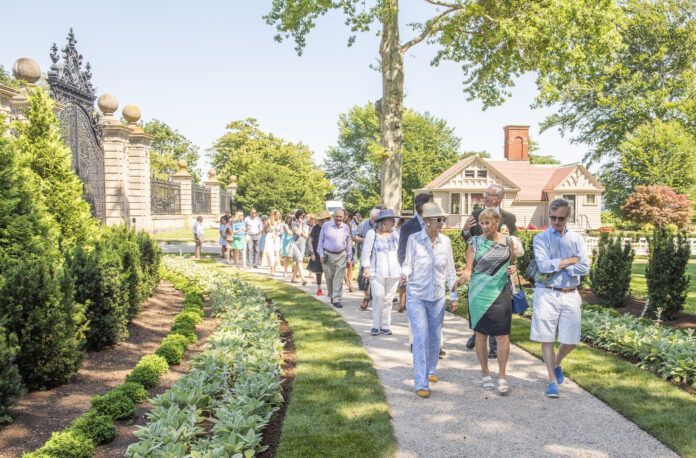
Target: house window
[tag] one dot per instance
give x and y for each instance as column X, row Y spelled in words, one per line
column 468, row 173
column 590, row 199
column 571, row 198
column 482, row 173
column 476, row 202
column 455, row 203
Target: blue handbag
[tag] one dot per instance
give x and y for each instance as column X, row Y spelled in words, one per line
column 519, row 299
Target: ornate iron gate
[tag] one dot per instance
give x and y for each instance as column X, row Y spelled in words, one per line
column 200, row 199
column 72, row 87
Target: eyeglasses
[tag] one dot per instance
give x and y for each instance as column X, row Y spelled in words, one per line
column 439, row 220
column 557, row 218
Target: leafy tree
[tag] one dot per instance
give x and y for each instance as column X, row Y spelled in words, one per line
column 658, row 205
column 539, row 159
column 482, row 154
column 652, row 75
column 657, row 153
column 167, row 147
column 7, row 79
column 38, row 309
column 353, row 166
column 494, row 42
column 270, row 171
column 45, row 154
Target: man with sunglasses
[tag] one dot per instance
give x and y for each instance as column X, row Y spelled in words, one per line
column 492, row 198
column 561, row 257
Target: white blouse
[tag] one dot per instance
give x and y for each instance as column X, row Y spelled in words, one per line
column 380, row 255
column 428, row 266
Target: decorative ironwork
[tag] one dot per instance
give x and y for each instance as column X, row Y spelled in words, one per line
column 80, row 128
column 225, row 201
column 165, row 197
column 200, row 199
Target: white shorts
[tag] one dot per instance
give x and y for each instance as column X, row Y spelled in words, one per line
column 556, row 311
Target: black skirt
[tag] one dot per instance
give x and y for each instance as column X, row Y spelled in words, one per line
column 498, row 318
column 315, row 266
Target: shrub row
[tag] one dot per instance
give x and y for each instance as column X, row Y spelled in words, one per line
column 234, row 384
column 113, row 276
column 97, row 425
column 668, row 352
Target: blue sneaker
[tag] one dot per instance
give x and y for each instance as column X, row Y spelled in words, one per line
column 552, row 390
column 374, row 331
column 386, row 332
column 559, row 375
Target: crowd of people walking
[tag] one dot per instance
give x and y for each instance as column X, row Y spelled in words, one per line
column 406, row 261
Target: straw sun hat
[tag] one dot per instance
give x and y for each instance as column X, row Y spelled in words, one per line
column 433, row 210
column 324, row 214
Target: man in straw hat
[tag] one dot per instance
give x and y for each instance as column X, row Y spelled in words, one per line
column 313, row 243
column 334, row 251
column 428, row 271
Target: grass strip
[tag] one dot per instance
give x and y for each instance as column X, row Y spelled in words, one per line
column 663, row 410
column 337, row 406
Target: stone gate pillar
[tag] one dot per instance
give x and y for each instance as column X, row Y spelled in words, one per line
column 214, row 186
column 185, row 181
column 138, row 189
column 115, row 161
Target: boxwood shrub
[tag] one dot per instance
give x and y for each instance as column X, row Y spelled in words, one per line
column 99, row 428
column 135, row 391
column 144, row 375
column 65, row 444
column 157, row 363
column 170, row 351
column 115, row 404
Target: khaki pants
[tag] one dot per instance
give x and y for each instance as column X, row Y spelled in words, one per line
column 334, row 270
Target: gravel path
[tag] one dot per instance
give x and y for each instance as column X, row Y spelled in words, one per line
column 462, row 419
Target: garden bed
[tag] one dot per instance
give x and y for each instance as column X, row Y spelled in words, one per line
column 41, row 413
column 635, row 307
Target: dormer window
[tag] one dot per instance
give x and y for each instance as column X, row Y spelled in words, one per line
column 468, row 173
column 482, row 173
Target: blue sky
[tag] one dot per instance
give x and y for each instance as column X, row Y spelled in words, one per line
column 199, row 65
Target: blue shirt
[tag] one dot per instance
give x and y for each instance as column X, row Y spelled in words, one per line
column 551, row 247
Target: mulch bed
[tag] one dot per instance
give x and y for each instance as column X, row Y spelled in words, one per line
column 41, row 413
column 635, row 307
column 274, row 429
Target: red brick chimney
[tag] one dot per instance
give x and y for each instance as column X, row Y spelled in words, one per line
column 516, row 143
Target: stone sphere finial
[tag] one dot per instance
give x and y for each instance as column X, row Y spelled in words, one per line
column 108, row 104
column 211, row 174
column 233, row 179
column 131, row 113
column 26, row 69
column 182, row 165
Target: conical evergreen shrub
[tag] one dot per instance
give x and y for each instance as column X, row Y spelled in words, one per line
column 610, row 272
column 665, row 274
column 36, row 301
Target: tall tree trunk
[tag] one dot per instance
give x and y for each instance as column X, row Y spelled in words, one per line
column 390, row 107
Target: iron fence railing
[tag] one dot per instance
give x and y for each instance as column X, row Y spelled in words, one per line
column 165, row 197
column 225, row 201
column 200, row 199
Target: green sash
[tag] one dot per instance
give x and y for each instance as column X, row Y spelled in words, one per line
column 484, row 287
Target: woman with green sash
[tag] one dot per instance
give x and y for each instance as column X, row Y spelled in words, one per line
column 489, row 264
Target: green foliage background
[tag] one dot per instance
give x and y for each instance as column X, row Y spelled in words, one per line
column 167, row 147
column 430, row 148
column 271, row 172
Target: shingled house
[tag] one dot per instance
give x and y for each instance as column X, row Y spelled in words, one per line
column 528, row 188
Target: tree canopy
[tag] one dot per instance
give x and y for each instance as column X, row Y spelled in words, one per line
column 430, row 148
column 494, row 42
column 271, row 172
column 657, row 153
column 658, row 205
column 167, row 147
column 651, row 76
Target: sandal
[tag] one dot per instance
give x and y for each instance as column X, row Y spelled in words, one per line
column 503, row 387
column 364, row 304
column 304, row 282
column 488, row 382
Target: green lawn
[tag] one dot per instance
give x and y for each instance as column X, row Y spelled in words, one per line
column 186, row 235
column 639, row 287
column 337, row 405
column 663, row 410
